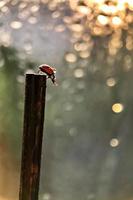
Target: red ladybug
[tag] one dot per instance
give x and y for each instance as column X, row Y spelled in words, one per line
column 50, row 71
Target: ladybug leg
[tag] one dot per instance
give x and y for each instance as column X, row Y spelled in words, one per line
column 48, row 76
column 53, row 79
column 52, row 76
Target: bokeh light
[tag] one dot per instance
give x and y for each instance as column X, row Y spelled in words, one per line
column 111, row 82
column 73, row 131
column 16, row 24
column 32, row 20
column 71, row 57
column 78, row 73
column 117, row 107
column 114, row 142
column 46, row 196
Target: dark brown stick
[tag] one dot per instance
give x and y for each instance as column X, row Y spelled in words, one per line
column 35, row 91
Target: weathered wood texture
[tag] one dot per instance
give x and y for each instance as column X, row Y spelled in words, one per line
column 35, row 92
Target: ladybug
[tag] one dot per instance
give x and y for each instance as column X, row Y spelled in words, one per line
column 49, row 71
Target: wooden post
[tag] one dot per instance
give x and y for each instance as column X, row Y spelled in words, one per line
column 35, row 92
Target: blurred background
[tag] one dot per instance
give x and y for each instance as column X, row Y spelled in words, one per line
column 88, row 137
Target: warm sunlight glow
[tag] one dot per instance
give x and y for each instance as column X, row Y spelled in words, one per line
column 83, row 18
column 76, row 27
column 103, row 16
column 102, row 19
column 83, row 9
column 116, row 21
column 108, row 9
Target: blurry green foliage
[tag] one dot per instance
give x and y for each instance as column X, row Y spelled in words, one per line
column 12, row 97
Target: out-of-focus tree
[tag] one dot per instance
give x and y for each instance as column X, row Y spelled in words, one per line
column 10, row 96
column 11, row 118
